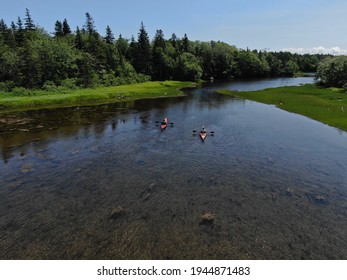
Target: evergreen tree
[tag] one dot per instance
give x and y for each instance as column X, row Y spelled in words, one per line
column 185, row 43
column 132, row 53
column 3, row 27
column 89, row 26
column 13, row 27
column 20, row 36
column 143, row 59
column 160, row 68
column 66, row 28
column 109, row 39
column 175, row 43
column 11, row 35
column 29, row 23
column 3, row 31
column 58, row 29
column 79, row 40
column 122, row 47
column 173, row 40
column 159, row 41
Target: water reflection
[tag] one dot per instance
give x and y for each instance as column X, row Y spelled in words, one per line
column 275, row 182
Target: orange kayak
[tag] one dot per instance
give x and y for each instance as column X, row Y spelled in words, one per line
column 163, row 124
column 203, row 135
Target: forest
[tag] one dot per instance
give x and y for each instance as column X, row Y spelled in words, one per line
column 32, row 58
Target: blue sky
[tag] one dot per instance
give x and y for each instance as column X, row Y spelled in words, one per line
column 295, row 25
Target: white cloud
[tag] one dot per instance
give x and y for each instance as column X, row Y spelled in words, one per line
column 317, row 50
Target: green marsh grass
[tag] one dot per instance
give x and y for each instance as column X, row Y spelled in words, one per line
column 327, row 105
column 43, row 99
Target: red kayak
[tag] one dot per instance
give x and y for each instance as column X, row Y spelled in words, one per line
column 163, row 124
column 203, row 135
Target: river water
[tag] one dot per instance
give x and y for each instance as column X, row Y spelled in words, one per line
column 105, row 182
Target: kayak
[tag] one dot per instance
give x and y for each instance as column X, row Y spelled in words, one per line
column 203, row 135
column 163, row 124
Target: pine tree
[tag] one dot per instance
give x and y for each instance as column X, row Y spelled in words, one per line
column 122, row 47
column 13, row 27
column 143, row 60
column 185, row 43
column 132, row 52
column 66, row 28
column 89, row 26
column 159, row 71
column 3, row 26
column 29, row 23
column 3, row 30
column 109, row 39
column 173, row 40
column 159, row 41
column 58, row 29
column 20, row 36
column 79, row 40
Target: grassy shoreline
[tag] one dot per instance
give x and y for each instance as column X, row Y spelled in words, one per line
column 328, row 105
column 44, row 99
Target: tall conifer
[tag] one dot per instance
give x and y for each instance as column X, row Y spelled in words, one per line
column 144, row 52
column 66, row 28
column 29, row 23
column 89, row 26
column 109, row 39
column 58, row 29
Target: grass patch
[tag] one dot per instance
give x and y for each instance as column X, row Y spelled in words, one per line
column 44, row 99
column 328, row 106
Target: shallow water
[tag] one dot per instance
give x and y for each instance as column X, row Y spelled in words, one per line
column 275, row 181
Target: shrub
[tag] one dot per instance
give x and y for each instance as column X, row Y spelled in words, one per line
column 50, row 86
column 7, row 86
column 21, row 91
column 69, row 83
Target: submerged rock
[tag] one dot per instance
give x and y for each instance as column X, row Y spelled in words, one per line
column 26, row 168
column 207, row 218
column 117, row 212
column 318, row 199
column 289, row 191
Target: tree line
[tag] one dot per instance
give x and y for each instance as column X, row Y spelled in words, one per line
column 31, row 57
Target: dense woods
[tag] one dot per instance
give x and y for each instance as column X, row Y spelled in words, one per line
column 30, row 57
column 332, row 72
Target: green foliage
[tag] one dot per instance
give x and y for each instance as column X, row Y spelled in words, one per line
column 32, row 58
column 332, row 72
column 188, row 68
column 22, row 98
column 6, row 86
column 250, row 65
column 70, row 83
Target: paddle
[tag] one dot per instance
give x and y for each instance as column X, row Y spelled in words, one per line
column 211, row 132
column 162, row 121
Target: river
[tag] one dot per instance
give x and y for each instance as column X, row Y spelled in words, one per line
column 105, row 182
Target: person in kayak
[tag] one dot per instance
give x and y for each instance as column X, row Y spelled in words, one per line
column 203, row 129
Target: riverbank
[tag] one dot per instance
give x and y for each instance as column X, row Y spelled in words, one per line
column 44, row 99
column 328, row 106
